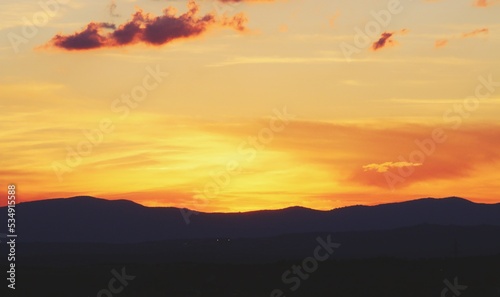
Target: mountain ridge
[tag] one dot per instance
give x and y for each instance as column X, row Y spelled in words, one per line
column 89, row 219
column 93, row 198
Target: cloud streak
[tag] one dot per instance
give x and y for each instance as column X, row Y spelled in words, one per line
column 475, row 33
column 385, row 40
column 485, row 3
column 147, row 29
column 384, row 167
column 444, row 41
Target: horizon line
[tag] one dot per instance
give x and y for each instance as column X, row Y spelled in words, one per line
column 252, row 211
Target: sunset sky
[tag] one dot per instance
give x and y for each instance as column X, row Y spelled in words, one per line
column 411, row 111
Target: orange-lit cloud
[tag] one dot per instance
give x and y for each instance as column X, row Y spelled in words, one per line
column 444, row 42
column 385, row 40
column 458, row 157
column 384, row 167
column 485, row 3
column 333, row 19
column 441, row 43
column 305, row 161
column 475, row 33
column 148, row 29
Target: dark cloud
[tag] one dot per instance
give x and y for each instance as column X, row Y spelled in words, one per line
column 145, row 28
column 384, row 39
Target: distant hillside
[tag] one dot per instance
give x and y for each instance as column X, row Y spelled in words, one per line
column 424, row 241
column 88, row 219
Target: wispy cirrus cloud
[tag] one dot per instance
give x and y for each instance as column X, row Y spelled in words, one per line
column 445, row 41
column 384, row 167
column 475, row 32
column 441, row 43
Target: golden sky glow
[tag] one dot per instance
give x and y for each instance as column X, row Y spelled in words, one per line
column 391, row 123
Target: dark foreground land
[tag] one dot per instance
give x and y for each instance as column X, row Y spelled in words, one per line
column 220, row 269
column 350, row 278
column 88, row 247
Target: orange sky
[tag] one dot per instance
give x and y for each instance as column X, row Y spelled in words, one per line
column 196, row 117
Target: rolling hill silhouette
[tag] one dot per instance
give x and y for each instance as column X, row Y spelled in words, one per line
column 93, row 220
column 397, row 249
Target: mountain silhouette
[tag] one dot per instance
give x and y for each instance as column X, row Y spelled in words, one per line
column 93, row 220
column 396, row 249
